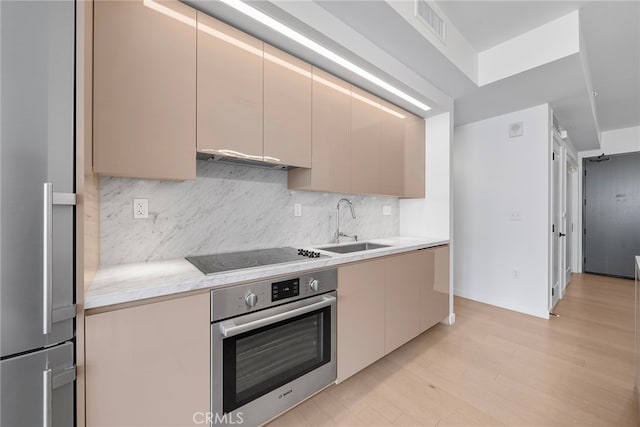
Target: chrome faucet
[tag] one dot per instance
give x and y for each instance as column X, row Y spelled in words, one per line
column 353, row 215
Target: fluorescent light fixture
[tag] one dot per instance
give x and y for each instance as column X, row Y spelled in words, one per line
column 244, row 8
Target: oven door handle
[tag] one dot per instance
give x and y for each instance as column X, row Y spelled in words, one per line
column 229, row 328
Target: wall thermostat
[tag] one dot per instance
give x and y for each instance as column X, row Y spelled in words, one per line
column 516, row 129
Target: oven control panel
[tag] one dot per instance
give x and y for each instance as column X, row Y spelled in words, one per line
column 285, row 289
column 234, row 300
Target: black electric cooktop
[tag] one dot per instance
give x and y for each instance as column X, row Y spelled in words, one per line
column 218, row 263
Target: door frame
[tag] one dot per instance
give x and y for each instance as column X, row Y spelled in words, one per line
column 556, row 147
column 584, row 157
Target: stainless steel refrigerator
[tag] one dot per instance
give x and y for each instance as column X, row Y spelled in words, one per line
column 37, row 208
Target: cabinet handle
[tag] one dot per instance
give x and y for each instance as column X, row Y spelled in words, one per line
column 67, row 376
column 49, row 199
column 46, row 398
column 230, row 328
column 50, row 383
column 47, row 257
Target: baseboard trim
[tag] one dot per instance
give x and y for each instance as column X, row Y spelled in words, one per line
column 544, row 314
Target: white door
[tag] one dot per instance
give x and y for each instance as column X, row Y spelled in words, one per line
column 557, row 253
column 570, row 176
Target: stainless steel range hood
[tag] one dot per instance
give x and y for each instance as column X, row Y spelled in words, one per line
column 236, row 160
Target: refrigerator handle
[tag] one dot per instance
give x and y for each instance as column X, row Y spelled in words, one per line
column 66, row 376
column 49, row 199
column 46, row 398
column 47, row 259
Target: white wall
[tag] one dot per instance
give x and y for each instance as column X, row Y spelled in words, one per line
column 620, row 141
column 429, row 217
column 494, row 176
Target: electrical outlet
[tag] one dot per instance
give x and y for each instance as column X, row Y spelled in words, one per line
column 515, row 274
column 515, row 215
column 140, row 208
column 386, row 210
column 297, row 209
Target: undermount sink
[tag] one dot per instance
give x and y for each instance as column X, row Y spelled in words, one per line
column 354, row 247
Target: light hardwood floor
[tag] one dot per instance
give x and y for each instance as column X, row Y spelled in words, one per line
column 496, row 367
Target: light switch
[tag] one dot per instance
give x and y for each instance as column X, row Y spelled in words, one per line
column 386, row 210
column 297, row 209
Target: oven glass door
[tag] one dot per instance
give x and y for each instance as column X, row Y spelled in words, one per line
column 261, row 360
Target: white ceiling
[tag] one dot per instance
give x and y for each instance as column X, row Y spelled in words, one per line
column 612, row 41
column 611, row 33
column 485, row 24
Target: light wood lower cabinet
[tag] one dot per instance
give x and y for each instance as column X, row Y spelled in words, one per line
column 144, row 89
column 386, row 302
column 149, row 365
column 361, row 289
column 434, row 294
column 404, row 281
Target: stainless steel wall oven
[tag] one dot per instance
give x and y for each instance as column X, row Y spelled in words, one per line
column 273, row 345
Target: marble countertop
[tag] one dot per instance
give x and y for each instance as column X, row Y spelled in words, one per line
column 137, row 281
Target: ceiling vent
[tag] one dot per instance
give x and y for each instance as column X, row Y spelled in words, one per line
column 430, row 18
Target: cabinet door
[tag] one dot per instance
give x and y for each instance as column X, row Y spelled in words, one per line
column 414, row 157
column 144, row 89
column 360, row 316
column 434, row 297
column 230, row 90
column 404, row 278
column 149, row 365
column 331, row 131
column 392, row 136
column 366, row 160
column 287, row 109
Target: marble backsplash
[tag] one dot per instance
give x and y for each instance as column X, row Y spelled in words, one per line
column 227, row 208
